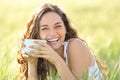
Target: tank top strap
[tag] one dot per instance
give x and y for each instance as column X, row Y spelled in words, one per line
column 94, row 71
column 65, row 52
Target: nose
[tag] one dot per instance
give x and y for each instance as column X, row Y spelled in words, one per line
column 52, row 32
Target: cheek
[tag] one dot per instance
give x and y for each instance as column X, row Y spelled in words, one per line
column 62, row 33
column 43, row 35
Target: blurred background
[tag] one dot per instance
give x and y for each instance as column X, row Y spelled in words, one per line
column 97, row 22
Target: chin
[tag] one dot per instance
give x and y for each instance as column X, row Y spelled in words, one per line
column 56, row 47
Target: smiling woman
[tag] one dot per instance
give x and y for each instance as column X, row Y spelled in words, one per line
column 52, row 29
column 63, row 53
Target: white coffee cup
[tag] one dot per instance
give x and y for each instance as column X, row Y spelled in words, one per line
column 28, row 42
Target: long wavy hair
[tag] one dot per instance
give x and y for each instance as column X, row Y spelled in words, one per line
column 32, row 32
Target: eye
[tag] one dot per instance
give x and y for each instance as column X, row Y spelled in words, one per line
column 58, row 26
column 44, row 29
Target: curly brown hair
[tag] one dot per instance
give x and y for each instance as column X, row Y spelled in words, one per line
column 32, row 32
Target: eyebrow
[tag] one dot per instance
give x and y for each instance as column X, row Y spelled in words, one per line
column 58, row 23
column 47, row 25
column 43, row 25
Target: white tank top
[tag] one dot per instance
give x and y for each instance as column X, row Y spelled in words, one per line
column 94, row 71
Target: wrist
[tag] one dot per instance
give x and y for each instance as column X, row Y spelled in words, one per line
column 59, row 62
column 32, row 70
column 32, row 61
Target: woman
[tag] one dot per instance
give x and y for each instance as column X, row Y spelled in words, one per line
column 64, row 55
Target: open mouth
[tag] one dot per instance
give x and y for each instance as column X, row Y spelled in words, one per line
column 51, row 41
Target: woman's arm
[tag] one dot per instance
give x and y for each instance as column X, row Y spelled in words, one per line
column 32, row 70
column 78, row 55
column 78, row 58
column 32, row 66
column 45, row 51
column 63, row 70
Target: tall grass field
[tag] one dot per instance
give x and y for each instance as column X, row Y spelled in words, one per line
column 97, row 22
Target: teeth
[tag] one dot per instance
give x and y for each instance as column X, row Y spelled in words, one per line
column 53, row 39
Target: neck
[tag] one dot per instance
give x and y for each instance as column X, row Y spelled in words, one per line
column 60, row 51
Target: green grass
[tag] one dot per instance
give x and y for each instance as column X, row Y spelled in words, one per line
column 97, row 22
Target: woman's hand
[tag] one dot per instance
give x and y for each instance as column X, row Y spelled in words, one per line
column 44, row 51
column 29, row 58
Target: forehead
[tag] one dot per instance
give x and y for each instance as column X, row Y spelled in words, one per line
column 50, row 18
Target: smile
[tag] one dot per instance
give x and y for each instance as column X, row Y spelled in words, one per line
column 53, row 40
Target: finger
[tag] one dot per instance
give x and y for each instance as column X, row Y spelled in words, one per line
column 39, row 56
column 22, row 43
column 24, row 54
column 40, row 43
column 39, row 47
column 36, row 52
column 23, row 39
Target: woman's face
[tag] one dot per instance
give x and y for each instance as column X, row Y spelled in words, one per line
column 52, row 29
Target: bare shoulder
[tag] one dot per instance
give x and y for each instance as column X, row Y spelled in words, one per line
column 78, row 51
column 76, row 43
column 78, row 56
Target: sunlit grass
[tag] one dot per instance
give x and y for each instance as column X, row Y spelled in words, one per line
column 97, row 21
